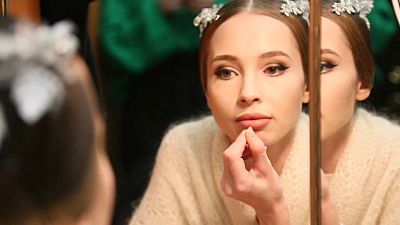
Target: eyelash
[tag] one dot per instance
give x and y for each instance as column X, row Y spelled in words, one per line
column 219, row 73
column 273, row 71
column 328, row 65
column 281, row 69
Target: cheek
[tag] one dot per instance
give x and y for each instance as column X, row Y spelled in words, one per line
column 337, row 104
column 219, row 102
column 290, row 93
column 337, row 95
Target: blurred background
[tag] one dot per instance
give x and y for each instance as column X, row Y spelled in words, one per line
column 143, row 58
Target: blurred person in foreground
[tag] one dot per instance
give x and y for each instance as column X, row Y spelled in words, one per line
column 53, row 166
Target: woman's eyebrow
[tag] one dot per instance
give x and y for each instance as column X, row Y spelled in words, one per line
column 329, row 51
column 274, row 53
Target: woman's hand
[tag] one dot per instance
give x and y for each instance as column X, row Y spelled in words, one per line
column 259, row 186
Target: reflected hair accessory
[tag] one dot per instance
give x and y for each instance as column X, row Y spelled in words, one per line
column 33, row 60
column 362, row 7
column 206, row 16
column 296, row 7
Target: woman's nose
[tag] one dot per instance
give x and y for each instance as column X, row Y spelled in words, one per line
column 249, row 92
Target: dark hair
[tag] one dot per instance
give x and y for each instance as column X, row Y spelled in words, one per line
column 297, row 25
column 358, row 36
column 44, row 167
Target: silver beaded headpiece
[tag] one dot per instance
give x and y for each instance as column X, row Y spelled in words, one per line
column 208, row 15
column 362, row 7
column 34, row 88
column 297, row 7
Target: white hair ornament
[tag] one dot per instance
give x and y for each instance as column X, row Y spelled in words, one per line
column 296, row 7
column 362, row 7
column 35, row 89
column 35, row 92
column 206, row 16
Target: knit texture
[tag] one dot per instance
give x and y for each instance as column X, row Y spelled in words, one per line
column 366, row 183
column 185, row 184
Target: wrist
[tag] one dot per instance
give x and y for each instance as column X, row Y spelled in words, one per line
column 278, row 214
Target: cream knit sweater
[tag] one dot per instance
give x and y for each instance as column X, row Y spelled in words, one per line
column 185, row 184
column 366, row 183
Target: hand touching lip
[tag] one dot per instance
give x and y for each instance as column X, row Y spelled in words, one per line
column 255, row 120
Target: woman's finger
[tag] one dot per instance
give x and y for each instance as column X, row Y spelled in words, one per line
column 258, row 151
column 233, row 161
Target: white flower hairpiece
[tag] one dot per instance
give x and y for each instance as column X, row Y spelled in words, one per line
column 35, row 92
column 35, row 88
column 297, row 7
column 362, row 7
column 206, row 16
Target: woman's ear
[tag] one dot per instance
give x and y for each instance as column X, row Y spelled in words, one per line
column 362, row 93
column 208, row 102
column 306, row 95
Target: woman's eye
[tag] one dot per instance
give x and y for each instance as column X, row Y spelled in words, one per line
column 275, row 70
column 225, row 74
column 326, row 67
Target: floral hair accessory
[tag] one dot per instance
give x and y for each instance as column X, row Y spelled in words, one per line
column 206, row 16
column 296, row 7
column 362, row 7
column 35, row 92
column 41, row 57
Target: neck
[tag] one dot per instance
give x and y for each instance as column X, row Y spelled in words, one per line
column 334, row 146
column 279, row 152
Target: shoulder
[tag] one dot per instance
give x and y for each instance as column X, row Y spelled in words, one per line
column 383, row 126
column 383, row 133
column 186, row 143
column 198, row 127
column 190, row 134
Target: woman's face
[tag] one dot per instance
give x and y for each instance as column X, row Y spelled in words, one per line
column 340, row 86
column 255, row 77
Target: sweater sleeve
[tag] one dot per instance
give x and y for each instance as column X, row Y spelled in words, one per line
column 137, row 34
column 390, row 214
column 161, row 203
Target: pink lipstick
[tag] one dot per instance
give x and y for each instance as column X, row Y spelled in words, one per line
column 255, row 120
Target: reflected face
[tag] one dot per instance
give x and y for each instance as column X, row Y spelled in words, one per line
column 340, row 86
column 255, row 77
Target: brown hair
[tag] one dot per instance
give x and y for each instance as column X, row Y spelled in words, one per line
column 45, row 168
column 358, row 36
column 296, row 24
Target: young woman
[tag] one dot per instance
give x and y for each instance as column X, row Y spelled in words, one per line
column 53, row 167
column 360, row 151
column 248, row 158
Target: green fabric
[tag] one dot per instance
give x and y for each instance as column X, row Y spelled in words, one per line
column 383, row 28
column 383, row 25
column 136, row 34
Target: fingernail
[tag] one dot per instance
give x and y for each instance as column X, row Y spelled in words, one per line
column 250, row 130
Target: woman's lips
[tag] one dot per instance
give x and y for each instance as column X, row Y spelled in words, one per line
column 256, row 121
